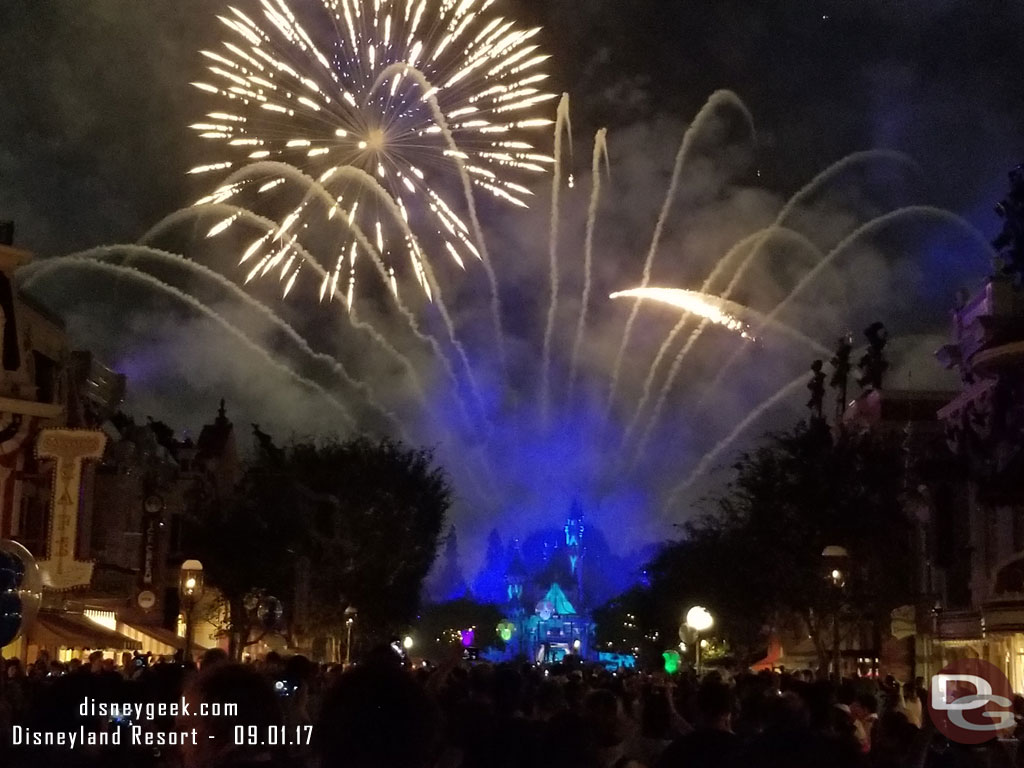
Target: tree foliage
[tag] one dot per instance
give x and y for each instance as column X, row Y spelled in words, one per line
column 366, row 516
column 379, row 511
column 755, row 559
column 248, row 542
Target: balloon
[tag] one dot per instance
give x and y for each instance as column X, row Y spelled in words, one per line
column 672, row 660
column 505, row 630
column 10, row 617
column 270, row 612
column 11, row 571
column 21, row 590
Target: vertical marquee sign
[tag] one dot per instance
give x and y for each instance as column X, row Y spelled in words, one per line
column 69, row 448
column 152, row 519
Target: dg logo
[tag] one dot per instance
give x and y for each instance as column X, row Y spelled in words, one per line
column 971, row 702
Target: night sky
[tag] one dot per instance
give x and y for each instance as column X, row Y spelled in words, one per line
column 96, row 98
column 94, row 148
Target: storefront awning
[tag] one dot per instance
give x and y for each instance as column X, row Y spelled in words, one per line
column 155, row 639
column 71, row 630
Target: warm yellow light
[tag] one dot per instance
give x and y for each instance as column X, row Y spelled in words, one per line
column 407, row 643
column 712, row 308
column 375, row 139
column 699, row 618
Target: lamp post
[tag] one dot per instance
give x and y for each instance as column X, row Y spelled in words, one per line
column 836, row 561
column 699, row 619
column 350, row 619
column 190, row 590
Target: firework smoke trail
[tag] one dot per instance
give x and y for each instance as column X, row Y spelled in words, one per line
column 760, row 239
column 177, row 260
column 789, row 390
column 40, row 269
column 803, row 193
column 600, row 151
column 717, row 100
column 776, row 229
column 677, row 366
column 281, row 169
column 923, row 211
column 677, row 363
column 868, row 228
column 563, row 125
column 806, row 191
column 757, row 237
column 247, row 216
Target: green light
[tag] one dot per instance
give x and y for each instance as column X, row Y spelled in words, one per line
column 671, row 661
column 505, row 630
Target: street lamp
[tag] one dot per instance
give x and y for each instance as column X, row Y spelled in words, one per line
column 699, row 619
column 836, row 562
column 407, row 643
column 350, row 619
column 190, row 590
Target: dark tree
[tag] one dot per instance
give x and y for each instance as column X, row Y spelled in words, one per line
column 489, row 585
column 756, row 560
column 817, row 388
column 378, row 512
column 248, row 543
column 360, row 520
column 451, row 585
column 873, row 364
column 841, row 365
column 1010, row 242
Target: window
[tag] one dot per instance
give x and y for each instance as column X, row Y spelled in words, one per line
column 46, row 377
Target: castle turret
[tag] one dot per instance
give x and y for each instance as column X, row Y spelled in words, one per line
column 574, row 548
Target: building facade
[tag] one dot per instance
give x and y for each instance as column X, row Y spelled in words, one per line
column 980, row 608
column 97, row 499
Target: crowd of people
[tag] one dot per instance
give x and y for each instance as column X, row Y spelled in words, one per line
column 387, row 713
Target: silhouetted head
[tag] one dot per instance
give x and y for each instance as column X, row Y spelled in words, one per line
column 213, row 656
column 243, row 697
column 377, row 717
column 715, row 702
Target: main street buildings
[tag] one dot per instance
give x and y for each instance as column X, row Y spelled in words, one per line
column 97, row 499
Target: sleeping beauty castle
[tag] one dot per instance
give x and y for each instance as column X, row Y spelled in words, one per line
column 546, row 618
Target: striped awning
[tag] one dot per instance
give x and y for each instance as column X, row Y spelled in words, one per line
column 72, row 630
column 156, row 639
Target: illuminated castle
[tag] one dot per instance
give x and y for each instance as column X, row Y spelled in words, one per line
column 551, row 621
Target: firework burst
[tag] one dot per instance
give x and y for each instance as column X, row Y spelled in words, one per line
column 711, row 308
column 405, row 92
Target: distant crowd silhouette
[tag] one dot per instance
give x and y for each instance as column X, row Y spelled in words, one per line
column 382, row 713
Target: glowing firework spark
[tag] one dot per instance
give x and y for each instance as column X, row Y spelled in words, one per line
column 718, row 311
column 405, row 90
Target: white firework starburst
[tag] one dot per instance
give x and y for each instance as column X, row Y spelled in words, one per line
column 405, row 91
